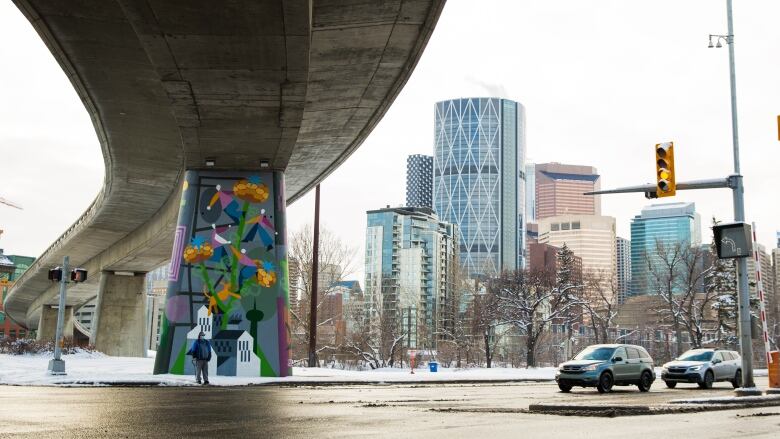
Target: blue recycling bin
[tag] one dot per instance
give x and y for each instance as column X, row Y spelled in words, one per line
column 433, row 366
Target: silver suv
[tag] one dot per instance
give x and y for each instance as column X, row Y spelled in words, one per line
column 704, row 367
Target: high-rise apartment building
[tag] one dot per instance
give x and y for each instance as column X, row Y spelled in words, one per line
column 419, row 181
column 660, row 227
column 559, row 190
column 409, row 263
column 479, row 180
column 623, row 253
column 773, row 302
column 590, row 237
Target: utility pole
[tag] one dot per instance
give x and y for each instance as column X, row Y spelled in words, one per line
column 738, row 191
column 57, row 365
column 314, row 281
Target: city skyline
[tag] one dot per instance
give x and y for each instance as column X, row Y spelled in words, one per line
column 625, row 130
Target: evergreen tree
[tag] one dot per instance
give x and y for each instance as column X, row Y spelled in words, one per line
column 721, row 282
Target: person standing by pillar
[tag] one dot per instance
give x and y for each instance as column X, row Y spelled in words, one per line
column 201, row 355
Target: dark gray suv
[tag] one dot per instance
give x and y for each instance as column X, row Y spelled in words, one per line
column 604, row 365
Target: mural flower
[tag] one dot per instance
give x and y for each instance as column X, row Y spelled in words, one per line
column 266, row 276
column 251, row 189
column 198, row 250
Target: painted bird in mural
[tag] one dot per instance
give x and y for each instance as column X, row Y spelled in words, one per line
column 224, row 294
column 264, row 228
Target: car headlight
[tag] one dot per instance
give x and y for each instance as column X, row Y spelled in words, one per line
column 591, row 367
column 560, row 367
column 694, row 368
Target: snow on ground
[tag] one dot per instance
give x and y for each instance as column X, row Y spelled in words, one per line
column 96, row 369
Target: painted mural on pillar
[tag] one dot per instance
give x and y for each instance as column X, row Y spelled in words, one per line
column 229, row 276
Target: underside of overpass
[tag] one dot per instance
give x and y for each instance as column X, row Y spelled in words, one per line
column 288, row 88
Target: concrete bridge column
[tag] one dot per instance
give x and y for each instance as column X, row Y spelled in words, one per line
column 229, row 275
column 120, row 315
column 47, row 324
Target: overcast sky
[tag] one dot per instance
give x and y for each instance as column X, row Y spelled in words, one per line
column 602, row 82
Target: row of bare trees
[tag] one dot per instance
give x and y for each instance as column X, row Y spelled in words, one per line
column 693, row 292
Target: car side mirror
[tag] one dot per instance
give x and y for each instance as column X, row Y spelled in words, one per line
column 715, row 361
column 616, row 359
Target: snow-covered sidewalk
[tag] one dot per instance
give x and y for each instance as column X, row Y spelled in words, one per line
column 96, row 369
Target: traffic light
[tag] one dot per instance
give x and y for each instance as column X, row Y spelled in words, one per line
column 664, row 169
column 78, row 275
column 55, row 274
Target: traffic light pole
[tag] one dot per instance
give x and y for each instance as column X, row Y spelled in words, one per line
column 734, row 182
column 57, row 365
column 743, row 292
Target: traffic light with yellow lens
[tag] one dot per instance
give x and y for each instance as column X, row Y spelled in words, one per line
column 664, row 169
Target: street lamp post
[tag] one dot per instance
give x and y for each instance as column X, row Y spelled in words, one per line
column 738, row 191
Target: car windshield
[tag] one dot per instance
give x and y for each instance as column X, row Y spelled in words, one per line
column 696, row 356
column 601, row 354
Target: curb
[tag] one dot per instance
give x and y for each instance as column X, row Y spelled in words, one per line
column 673, row 407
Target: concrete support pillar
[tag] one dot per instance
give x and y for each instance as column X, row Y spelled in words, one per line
column 120, row 315
column 47, row 324
column 229, row 275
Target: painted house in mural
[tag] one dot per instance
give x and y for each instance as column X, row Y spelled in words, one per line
column 231, row 349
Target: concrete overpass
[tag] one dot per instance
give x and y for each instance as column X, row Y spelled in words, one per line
column 173, row 85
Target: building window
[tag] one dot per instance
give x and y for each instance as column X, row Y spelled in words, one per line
column 575, row 225
column 564, row 226
column 554, row 227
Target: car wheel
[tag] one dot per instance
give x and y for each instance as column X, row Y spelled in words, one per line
column 737, row 381
column 709, row 378
column 565, row 388
column 605, row 383
column 645, row 381
column 671, row 384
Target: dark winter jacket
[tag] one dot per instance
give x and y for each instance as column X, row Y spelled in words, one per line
column 200, row 350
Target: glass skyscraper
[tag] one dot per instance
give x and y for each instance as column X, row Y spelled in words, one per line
column 419, row 181
column 660, row 226
column 479, row 180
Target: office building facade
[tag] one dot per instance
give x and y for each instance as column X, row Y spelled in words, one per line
column 623, row 253
column 590, row 237
column 559, row 190
column 409, row 263
column 479, row 180
column 530, row 193
column 659, row 227
column 419, row 181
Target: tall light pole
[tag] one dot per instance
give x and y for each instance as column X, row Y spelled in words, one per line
column 738, row 191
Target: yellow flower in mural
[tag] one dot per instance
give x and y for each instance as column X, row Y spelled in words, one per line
column 251, row 189
column 198, row 251
column 266, row 275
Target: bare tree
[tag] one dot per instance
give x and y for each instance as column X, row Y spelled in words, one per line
column 453, row 333
column 528, row 302
column 336, row 260
column 600, row 303
column 665, row 269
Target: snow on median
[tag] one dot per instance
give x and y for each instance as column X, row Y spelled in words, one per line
column 96, row 369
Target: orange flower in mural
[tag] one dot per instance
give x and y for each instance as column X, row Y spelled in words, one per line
column 266, row 275
column 251, row 189
column 198, row 251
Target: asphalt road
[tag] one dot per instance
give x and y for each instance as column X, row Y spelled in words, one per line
column 398, row 411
